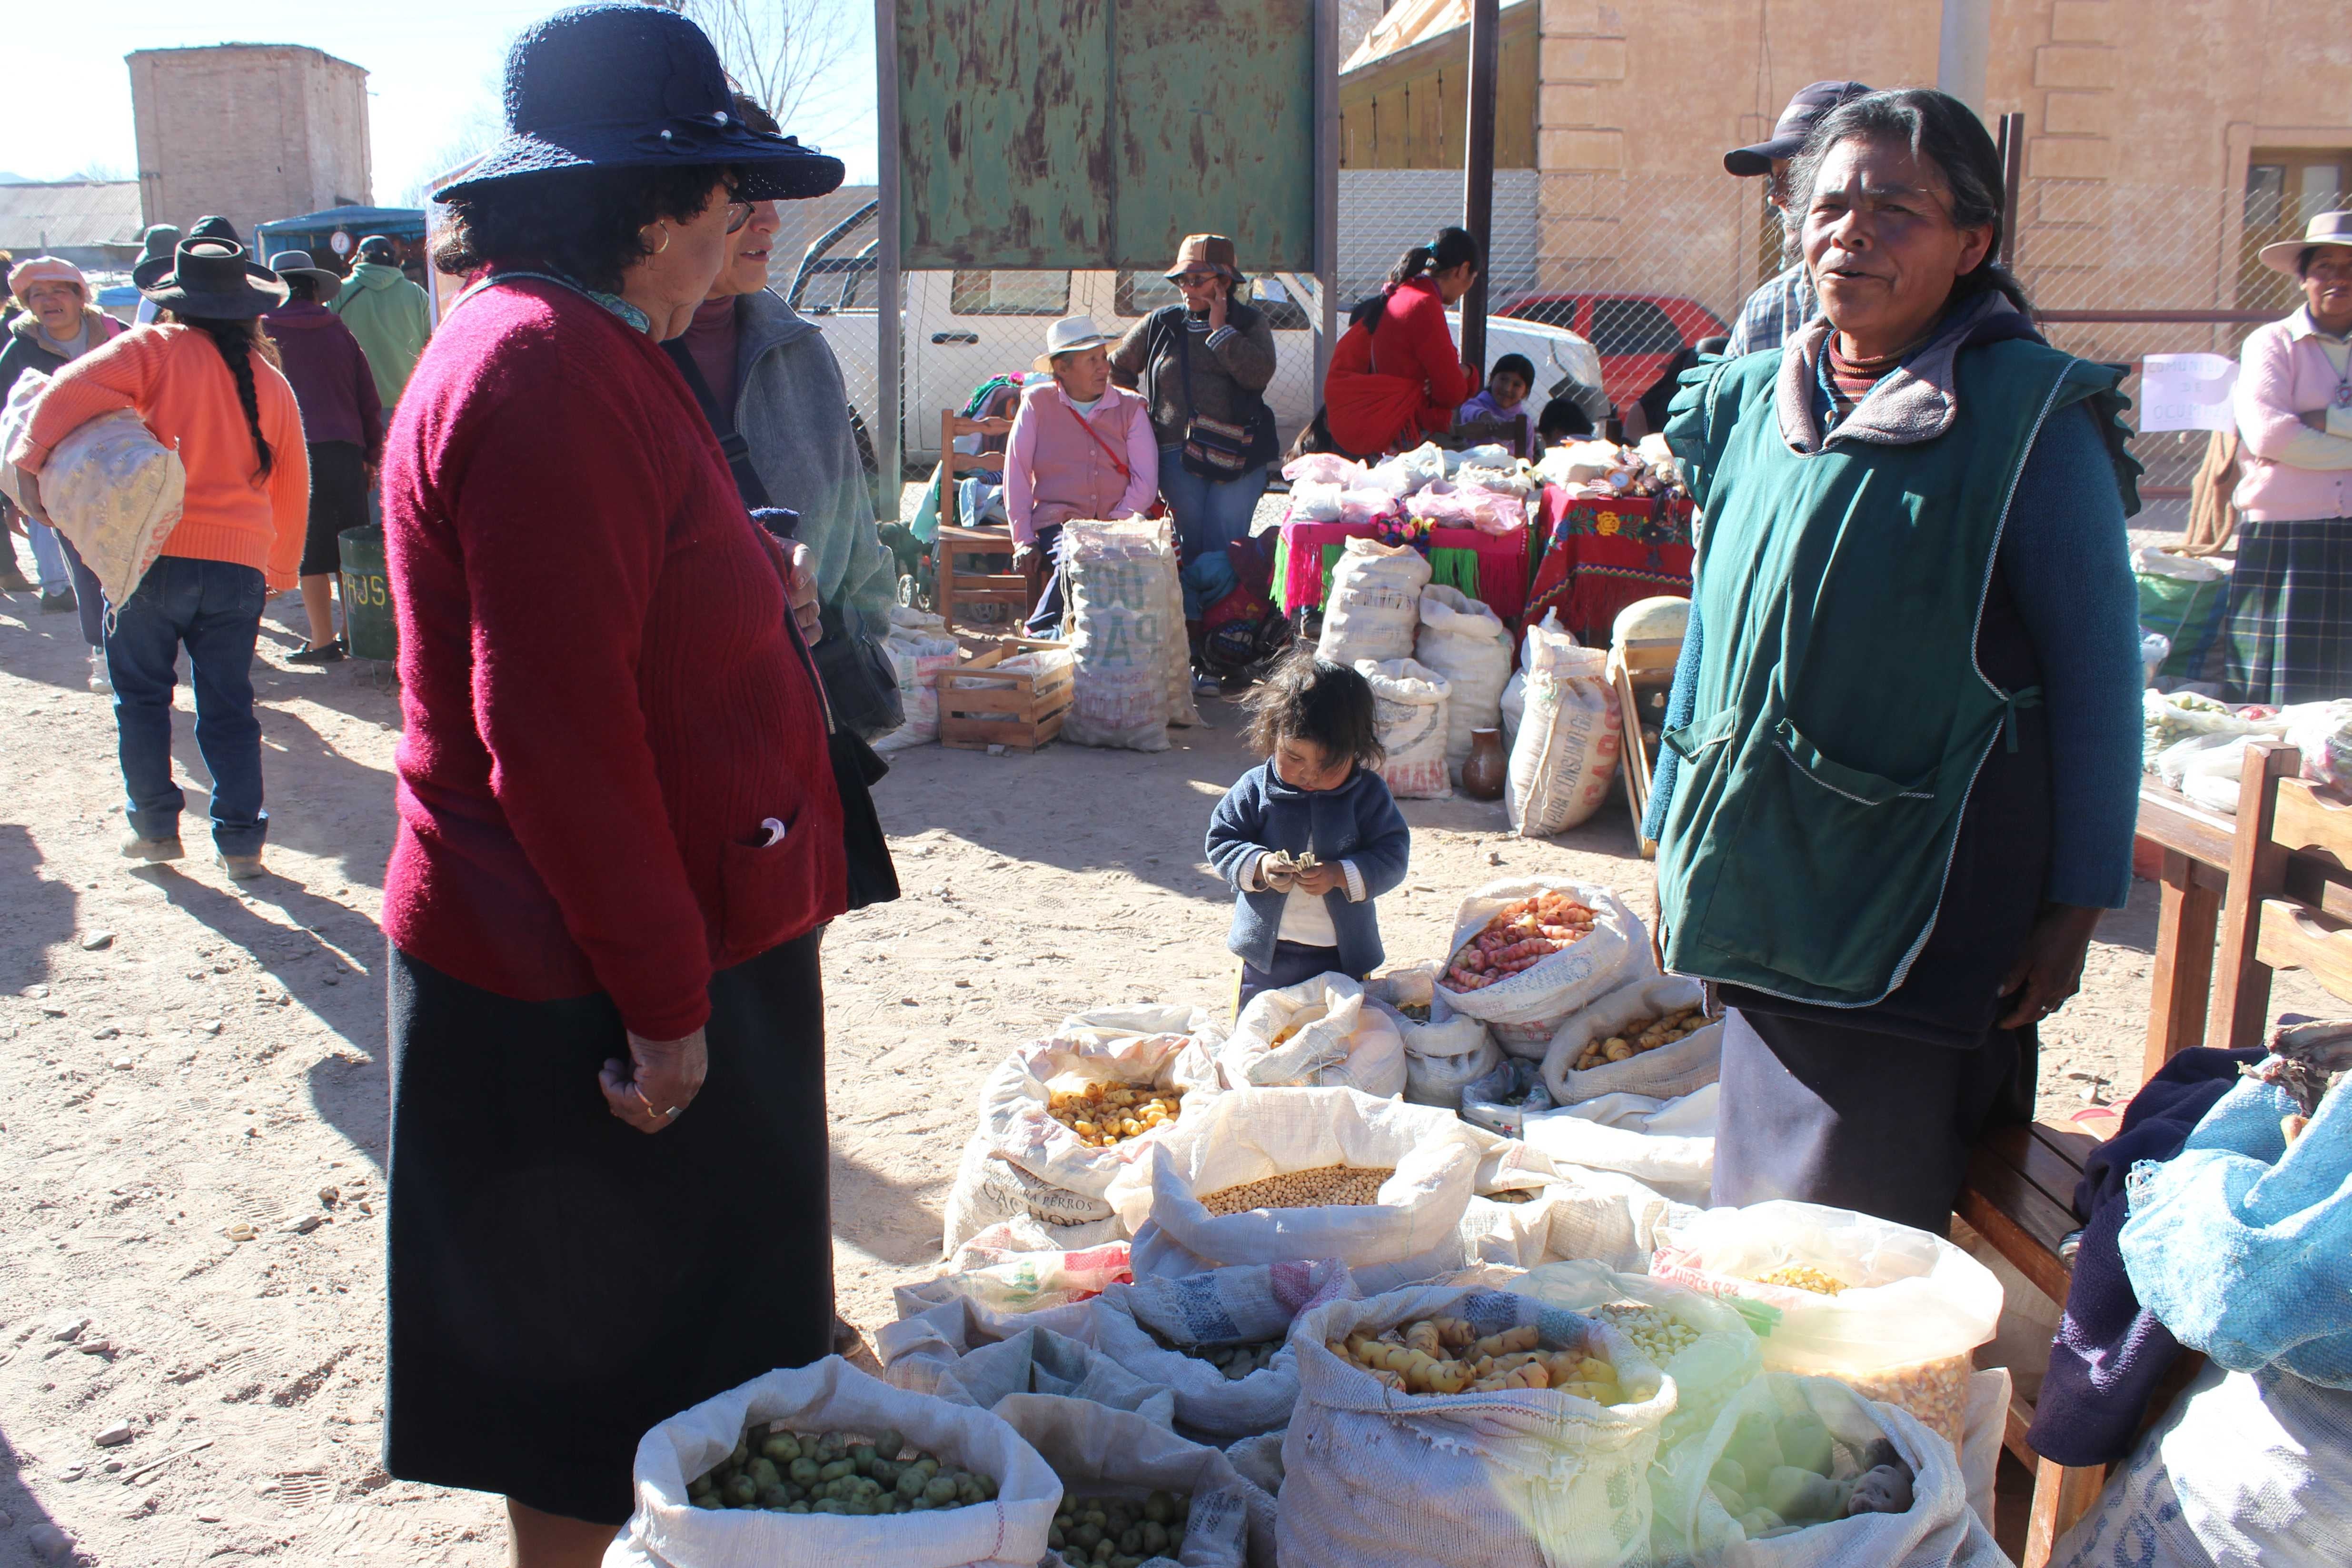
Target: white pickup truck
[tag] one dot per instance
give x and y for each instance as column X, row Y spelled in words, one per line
column 962, row 328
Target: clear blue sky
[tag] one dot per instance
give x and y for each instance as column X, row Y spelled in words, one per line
column 433, row 69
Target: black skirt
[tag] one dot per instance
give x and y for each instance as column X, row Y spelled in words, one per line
column 559, row 1282
column 338, row 500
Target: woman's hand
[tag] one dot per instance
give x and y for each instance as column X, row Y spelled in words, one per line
column 660, row 1080
column 802, row 592
column 2049, row 970
column 1022, row 555
column 1220, row 301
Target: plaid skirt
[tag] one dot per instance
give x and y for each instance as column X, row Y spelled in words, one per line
column 2290, row 636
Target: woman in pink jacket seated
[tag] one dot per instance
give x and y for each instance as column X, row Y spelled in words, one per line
column 1080, row 449
column 2291, row 596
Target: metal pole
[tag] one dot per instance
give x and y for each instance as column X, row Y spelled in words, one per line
column 1478, row 171
column 1962, row 44
column 1326, row 187
column 2012, row 182
column 889, row 443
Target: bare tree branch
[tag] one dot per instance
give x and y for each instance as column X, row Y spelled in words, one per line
column 779, row 51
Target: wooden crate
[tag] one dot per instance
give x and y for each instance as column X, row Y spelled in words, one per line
column 1639, row 669
column 1020, row 711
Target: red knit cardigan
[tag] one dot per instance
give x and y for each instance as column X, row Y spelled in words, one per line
column 1385, row 388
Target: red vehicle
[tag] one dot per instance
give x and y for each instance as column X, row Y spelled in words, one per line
column 1635, row 334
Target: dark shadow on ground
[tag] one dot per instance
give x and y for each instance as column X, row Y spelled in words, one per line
column 33, row 911
column 883, row 1217
column 300, row 768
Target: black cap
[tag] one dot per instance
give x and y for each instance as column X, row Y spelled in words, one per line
column 1797, row 122
column 378, row 248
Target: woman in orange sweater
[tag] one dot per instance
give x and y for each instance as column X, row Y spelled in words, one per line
column 205, row 380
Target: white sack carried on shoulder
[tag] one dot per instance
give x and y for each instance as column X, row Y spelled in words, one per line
column 1467, row 644
column 109, row 486
column 1410, row 701
column 1120, row 631
column 1530, row 1478
column 668, row 1532
column 1101, row 1453
column 1155, row 1050
column 1668, row 1072
column 1570, row 738
column 1334, row 1041
column 1938, row 1531
column 1248, row 1134
column 1373, row 605
column 1034, row 1360
column 1136, row 1324
column 1523, row 1010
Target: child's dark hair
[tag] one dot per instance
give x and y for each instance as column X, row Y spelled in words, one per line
column 1311, row 699
column 1514, row 364
column 1562, row 417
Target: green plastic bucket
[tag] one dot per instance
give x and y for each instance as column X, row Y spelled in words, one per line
column 367, row 595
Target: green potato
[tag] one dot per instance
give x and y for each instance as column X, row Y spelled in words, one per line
column 1127, row 1560
column 709, row 1499
column 741, row 1491
column 782, row 1448
column 742, row 1454
column 762, row 1472
column 1154, row 1536
column 890, row 1441
column 1055, row 1534
column 1734, row 1503
column 1731, row 1473
column 1805, row 1443
column 798, row 1508
column 1104, row 1551
column 910, row 1482
column 795, row 1492
column 887, row 1471
column 1130, row 1540
column 1160, row 1507
column 836, row 1470
column 1756, row 1521
column 1086, row 1536
column 938, row 1491
column 774, row 1497
column 1795, row 1493
column 804, row 1472
column 828, row 1447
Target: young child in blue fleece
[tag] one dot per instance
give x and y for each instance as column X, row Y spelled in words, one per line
column 1315, row 791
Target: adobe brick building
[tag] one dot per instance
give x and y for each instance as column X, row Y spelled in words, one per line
column 253, row 131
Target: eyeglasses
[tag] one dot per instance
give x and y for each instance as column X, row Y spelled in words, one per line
column 738, row 215
column 1196, row 279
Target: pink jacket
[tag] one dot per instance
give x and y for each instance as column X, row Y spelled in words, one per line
column 1054, row 471
column 2293, row 473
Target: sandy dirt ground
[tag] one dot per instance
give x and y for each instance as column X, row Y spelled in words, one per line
column 188, row 1061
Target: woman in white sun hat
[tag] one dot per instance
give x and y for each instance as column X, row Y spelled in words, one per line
column 2291, row 594
column 1080, row 447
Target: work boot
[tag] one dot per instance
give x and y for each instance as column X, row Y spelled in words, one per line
column 60, row 602
column 241, row 867
column 151, row 851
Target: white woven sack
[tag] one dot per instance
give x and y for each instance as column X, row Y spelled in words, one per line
column 1938, row 1531
column 1409, row 707
column 1669, row 1072
column 1444, row 1056
column 1528, row 1479
column 1259, row 1461
column 1120, row 630
column 1157, row 1048
column 948, row 1327
column 917, row 645
column 1101, row 1453
column 1032, row 1361
column 1252, row 1134
column 1566, row 751
column 990, row 1189
column 1467, row 644
column 1722, row 1360
column 1523, row 1011
column 668, row 1532
column 1337, row 1042
column 109, row 486
column 1373, row 606
column 1135, row 1325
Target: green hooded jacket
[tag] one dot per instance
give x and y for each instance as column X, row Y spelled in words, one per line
column 390, row 316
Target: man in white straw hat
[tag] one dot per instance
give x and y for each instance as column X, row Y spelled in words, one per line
column 2290, row 636
column 1080, row 447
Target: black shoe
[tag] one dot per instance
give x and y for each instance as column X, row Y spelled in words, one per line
column 306, row 654
column 60, row 602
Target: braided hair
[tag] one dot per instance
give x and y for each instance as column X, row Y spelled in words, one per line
column 1450, row 248
column 238, row 341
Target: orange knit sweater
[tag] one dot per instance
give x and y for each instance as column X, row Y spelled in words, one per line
column 174, row 379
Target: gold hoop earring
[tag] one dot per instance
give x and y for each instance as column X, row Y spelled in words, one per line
column 664, row 238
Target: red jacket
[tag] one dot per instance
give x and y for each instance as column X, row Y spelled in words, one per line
column 601, row 703
column 1403, row 380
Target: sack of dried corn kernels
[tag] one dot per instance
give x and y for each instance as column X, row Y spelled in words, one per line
column 1269, row 1175
column 1380, row 1468
column 1890, row 1311
column 1059, row 1117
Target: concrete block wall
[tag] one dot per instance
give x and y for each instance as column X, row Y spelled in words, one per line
column 253, row 131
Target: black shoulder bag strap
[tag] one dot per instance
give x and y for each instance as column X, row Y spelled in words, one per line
column 731, row 444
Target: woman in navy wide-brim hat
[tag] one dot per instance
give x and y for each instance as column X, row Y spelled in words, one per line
column 619, row 829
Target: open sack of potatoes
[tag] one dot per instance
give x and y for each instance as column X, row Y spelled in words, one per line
column 1652, row 1038
column 1060, row 1117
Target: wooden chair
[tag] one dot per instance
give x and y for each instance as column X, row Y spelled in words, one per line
column 2290, row 899
column 956, row 586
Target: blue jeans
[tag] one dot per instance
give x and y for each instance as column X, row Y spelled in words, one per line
column 89, row 599
column 48, row 557
column 215, row 609
column 1210, row 515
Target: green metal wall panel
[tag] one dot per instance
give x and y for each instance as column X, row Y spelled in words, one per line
column 1091, row 134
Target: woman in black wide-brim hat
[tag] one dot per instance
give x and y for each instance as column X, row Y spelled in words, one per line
column 619, row 829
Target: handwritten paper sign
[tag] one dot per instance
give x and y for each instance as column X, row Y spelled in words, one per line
column 2186, row 392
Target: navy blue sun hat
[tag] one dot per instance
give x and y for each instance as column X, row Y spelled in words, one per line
column 618, row 86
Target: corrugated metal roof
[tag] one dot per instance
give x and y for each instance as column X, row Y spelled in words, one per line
column 1410, row 22
column 69, row 214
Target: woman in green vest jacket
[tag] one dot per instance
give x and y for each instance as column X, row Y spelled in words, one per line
column 1903, row 747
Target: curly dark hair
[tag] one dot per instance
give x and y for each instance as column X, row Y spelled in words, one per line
column 585, row 224
column 1311, row 699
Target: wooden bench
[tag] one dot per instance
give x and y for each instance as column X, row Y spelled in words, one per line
column 2019, row 1190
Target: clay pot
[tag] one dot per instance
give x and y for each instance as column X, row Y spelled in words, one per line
column 1482, row 774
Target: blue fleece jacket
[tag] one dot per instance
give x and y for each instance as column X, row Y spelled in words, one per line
column 2068, row 564
column 1357, row 822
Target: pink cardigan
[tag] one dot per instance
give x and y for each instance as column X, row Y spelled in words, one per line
column 1054, row 471
column 2293, row 473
